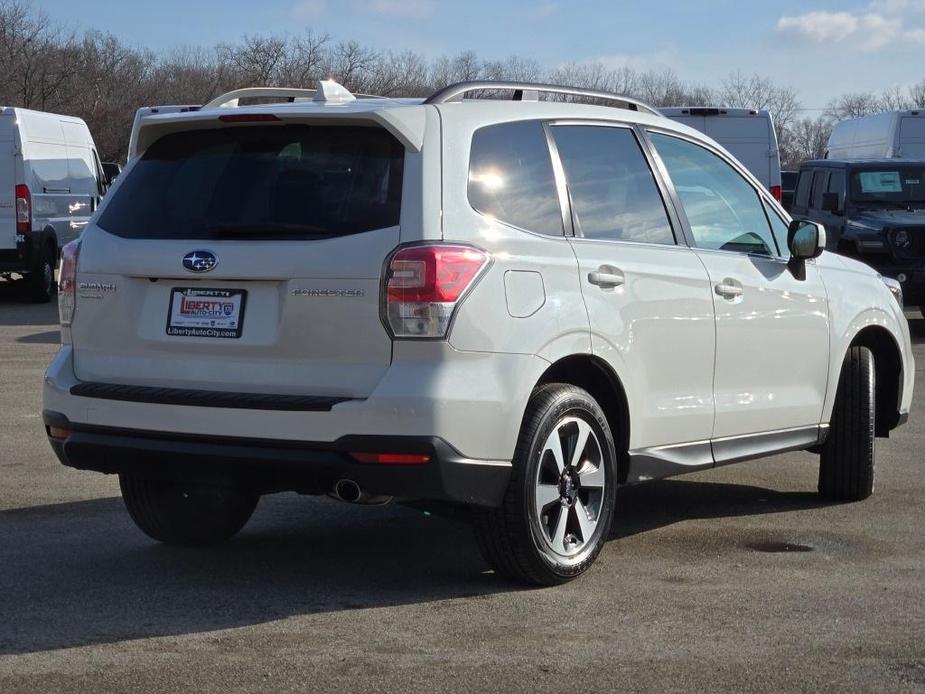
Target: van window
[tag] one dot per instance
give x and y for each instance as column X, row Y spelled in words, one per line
column 724, row 211
column 614, row 194
column 511, row 177
column 261, row 182
column 804, row 183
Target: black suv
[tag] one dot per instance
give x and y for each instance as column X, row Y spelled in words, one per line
column 873, row 210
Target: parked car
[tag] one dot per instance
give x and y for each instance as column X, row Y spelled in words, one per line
column 890, row 135
column 747, row 134
column 788, row 187
column 873, row 211
column 50, row 183
column 516, row 306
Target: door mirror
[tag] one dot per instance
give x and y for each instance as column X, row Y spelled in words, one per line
column 806, row 239
column 831, row 202
column 111, row 170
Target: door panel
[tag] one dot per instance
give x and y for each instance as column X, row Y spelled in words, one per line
column 648, row 299
column 772, row 330
column 771, row 344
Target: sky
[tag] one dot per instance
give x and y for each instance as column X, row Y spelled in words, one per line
column 820, row 48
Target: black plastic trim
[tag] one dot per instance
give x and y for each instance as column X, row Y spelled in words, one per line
column 206, row 398
column 268, row 466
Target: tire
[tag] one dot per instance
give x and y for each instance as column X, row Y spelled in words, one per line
column 535, row 544
column 41, row 280
column 186, row 514
column 846, row 465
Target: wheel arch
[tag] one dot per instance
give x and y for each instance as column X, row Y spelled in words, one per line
column 598, row 378
column 888, row 373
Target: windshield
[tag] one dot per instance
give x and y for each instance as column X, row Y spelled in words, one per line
column 260, row 182
column 894, row 185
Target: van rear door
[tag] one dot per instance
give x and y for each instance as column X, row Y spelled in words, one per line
column 7, row 180
column 748, row 139
column 245, row 258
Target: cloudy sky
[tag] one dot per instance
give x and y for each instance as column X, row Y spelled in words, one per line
column 821, row 48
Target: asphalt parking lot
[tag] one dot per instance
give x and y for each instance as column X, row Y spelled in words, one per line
column 699, row 588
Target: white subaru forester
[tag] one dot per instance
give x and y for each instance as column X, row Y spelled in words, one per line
column 517, row 303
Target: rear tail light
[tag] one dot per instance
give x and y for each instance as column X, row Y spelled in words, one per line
column 425, row 284
column 776, row 192
column 249, row 118
column 67, row 282
column 23, row 209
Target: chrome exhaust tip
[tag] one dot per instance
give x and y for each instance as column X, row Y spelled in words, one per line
column 350, row 492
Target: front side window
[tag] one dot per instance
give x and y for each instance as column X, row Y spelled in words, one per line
column 511, row 177
column 613, row 192
column 724, row 211
column 261, row 182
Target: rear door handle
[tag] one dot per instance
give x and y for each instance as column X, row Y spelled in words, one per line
column 607, row 277
column 729, row 288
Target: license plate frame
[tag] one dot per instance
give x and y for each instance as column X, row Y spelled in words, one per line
column 224, row 320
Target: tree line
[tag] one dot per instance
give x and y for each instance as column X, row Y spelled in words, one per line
column 101, row 79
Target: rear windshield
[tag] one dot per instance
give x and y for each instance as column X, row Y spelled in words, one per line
column 261, row 182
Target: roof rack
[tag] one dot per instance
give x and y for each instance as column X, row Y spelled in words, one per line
column 529, row 91
column 327, row 91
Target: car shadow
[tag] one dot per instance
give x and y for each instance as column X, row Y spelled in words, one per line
column 917, row 329
column 79, row 573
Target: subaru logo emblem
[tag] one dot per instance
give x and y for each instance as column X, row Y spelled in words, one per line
column 200, row 261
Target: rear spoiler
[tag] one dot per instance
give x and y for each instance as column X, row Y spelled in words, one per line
column 146, row 111
column 151, row 122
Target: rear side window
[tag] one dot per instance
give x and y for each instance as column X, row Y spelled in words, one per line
column 819, row 182
column 261, row 182
column 614, row 194
column 511, row 177
column 803, row 186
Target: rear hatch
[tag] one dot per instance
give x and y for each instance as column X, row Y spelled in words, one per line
column 244, row 259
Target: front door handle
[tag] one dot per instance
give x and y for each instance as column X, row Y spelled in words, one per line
column 607, row 277
column 729, row 289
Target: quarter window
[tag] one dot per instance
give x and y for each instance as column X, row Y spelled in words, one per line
column 724, row 211
column 511, row 177
column 613, row 192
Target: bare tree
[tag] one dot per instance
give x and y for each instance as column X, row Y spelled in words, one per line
column 852, row 105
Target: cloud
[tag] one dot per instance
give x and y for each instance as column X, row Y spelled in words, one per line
column 867, row 30
column 309, row 8
column 417, row 9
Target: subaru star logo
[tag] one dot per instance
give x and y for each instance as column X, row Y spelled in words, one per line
column 200, row 261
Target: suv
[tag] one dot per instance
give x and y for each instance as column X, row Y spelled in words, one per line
column 873, row 211
column 514, row 305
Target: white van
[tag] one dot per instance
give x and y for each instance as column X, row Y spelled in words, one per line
column 51, row 181
column 746, row 133
column 890, row 135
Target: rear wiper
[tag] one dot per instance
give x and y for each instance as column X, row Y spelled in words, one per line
column 264, row 230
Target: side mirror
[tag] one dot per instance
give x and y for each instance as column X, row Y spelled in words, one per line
column 831, row 202
column 111, row 170
column 805, row 239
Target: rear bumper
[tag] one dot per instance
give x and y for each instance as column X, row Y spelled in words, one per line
column 304, row 466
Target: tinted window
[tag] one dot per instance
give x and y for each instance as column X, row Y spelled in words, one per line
column 780, row 229
column 803, row 186
column 724, row 211
column 511, row 178
column 836, row 183
column 788, row 179
column 819, row 181
column 614, row 195
column 261, row 182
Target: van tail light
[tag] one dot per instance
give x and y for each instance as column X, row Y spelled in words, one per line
column 67, row 282
column 23, row 209
column 776, row 192
column 424, row 285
